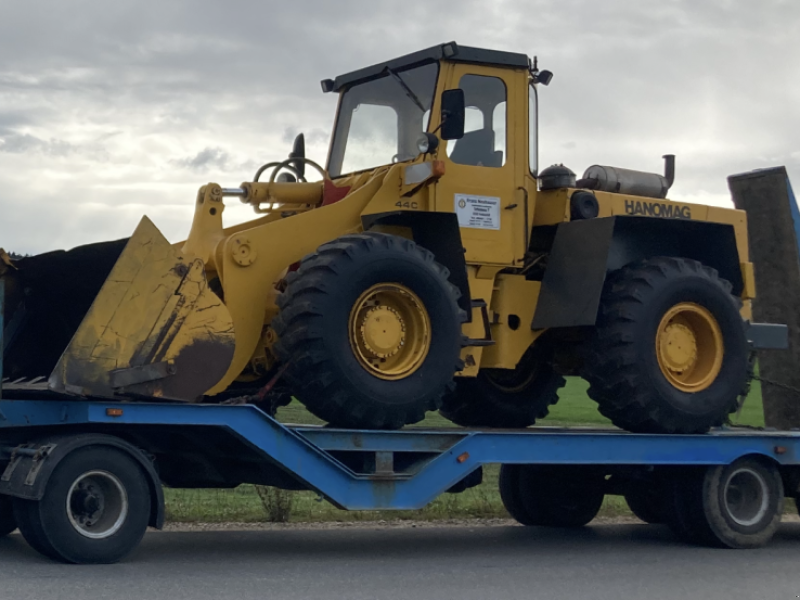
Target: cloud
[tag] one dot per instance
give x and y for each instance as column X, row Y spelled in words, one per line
column 208, row 157
column 109, row 110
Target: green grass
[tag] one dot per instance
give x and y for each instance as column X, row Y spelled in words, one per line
column 243, row 504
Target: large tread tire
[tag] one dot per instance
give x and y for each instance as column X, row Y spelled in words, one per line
column 506, row 398
column 621, row 363
column 47, row 526
column 7, row 521
column 312, row 326
column 566, row 496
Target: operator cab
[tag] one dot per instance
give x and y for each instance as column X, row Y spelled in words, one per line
column 385, row 108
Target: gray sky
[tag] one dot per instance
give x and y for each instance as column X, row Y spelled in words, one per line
column 114, row 109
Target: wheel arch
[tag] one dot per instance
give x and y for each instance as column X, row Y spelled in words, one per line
column 437, row 232
column 27, row 475
column 584, row 252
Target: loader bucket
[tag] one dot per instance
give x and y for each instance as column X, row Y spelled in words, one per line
column 154, row 328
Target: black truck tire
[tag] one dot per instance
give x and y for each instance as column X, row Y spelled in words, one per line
column 370, row 328
column 742, row 502
column 7, row 521
column 511, row 494
column 566, row 496
column 669, row 353
column 109, row 508
column 506, row 398
column 731, row 506
column 648, row 504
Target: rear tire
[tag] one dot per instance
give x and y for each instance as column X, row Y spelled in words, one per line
column 371, row 330
column 732, row 506
column 506, row 398
column 95, row 508
column 511, row 494
column 648, row 504
column 561, row 495
column 669, row 353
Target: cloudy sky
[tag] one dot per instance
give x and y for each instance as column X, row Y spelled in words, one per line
column 114, row 109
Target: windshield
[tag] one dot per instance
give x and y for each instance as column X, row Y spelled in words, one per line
column 381, row 120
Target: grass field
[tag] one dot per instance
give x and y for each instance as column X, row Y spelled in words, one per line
column 244, row 504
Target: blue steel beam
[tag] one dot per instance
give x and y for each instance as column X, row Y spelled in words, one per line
column 347, row 489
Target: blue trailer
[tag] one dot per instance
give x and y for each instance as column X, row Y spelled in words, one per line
column 83, row 479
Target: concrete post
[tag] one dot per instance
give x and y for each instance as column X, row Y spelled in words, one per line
column 773, row 220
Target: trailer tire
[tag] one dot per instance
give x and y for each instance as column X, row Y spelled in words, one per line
column 647, row 504
column 511, row 496
column 7, row 521
column 731, row 506
column 28, row 520
column 669, row 353
column 95, row 508
column 561, row 495
column 370, row 329
column 743, row 502
column 506, row 398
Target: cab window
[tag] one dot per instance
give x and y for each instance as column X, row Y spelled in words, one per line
column 484, row 141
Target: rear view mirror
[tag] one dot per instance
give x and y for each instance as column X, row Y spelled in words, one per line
column 453, row 114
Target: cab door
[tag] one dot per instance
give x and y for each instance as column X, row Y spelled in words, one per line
column 481, row 185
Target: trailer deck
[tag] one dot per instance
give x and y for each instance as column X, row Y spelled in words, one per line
column 370, row 470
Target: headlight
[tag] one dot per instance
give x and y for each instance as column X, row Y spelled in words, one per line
column 427, row 143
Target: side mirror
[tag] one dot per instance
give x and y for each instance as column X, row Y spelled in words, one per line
column 299, row 151
column 453, row 111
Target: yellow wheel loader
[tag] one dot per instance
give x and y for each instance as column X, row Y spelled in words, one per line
column 431, row 266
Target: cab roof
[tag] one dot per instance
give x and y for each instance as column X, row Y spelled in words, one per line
column 449, row 51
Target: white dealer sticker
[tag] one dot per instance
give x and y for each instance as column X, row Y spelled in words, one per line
column 478, row 212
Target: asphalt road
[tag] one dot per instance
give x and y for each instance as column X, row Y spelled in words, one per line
column 600, row 562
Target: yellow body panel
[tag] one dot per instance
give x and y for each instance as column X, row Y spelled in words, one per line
column 512, row 308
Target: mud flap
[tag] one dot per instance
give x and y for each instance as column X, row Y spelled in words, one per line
column 154, row 329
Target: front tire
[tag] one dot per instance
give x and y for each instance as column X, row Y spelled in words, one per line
column 506, row 398
column 669, row 353
column 371, row 330
column 95, row 508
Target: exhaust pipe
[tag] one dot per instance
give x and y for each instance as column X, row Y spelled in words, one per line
column 669, row 169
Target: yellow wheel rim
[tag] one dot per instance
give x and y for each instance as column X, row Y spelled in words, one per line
column 689, row 347
column 390, row 331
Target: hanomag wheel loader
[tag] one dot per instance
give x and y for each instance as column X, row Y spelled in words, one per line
column 432, row 267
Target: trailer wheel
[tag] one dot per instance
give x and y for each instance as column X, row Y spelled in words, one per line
column 648, row 503
column 370, row 328
column 7, row 521
column 507, row 398
column 560, row 495
column 743, row 502
column 95, row 508
column 669, row 353
column 735, row 506
column 511, row 494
